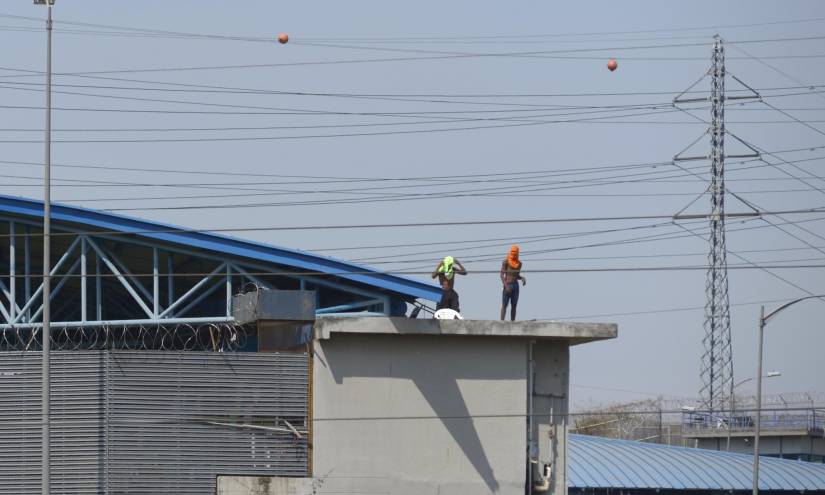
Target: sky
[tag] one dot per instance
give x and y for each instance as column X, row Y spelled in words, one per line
column 377, row 112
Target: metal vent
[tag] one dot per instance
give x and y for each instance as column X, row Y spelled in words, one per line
column 153, row 422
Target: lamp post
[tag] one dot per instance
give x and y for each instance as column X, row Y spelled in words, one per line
column 763, row 320
column 46, row 336
column 769, row 374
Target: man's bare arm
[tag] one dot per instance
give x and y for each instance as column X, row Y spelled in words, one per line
column 437, row 268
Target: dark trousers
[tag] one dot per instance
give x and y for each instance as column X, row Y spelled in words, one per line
column 449, row 300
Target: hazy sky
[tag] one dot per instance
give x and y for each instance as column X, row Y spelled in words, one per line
column 413, row 67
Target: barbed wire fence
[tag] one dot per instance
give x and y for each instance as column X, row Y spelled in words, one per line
column 215, row 337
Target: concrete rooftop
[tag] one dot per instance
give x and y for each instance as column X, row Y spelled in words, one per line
column 573, row 333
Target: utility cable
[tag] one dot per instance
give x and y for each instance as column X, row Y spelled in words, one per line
column 665, row 236
column 339, row 273
column 495, row 37
column 454, row 223
column 327, row 179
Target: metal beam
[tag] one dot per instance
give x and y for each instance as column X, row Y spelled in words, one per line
column 5, row 313
column 255, row 280
column 102, row 255
column 228, row 289
column 194, row 289
column 304, row 279
column 83, row 301
column 376, row 298
column 98, row 290
column 56, row 290
column 262, row 267
column 149, row 297
column 124, row 270
column 12, row 270
column 353, row 314
column 170, row 278
column 251, row 265
column 27, row 282
column 155, row 283
column 6, row 292
column 53, row 271
column 208, row 292
column 11, row 313
column 345, row 307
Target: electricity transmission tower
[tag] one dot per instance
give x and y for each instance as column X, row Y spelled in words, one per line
column 717, row 359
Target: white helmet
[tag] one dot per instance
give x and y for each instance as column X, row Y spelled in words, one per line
column 447, row 314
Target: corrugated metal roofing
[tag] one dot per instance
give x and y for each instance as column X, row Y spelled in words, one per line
column 596, row 462
column 98, row 220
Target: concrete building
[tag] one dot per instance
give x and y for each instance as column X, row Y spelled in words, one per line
column 181, row 358
column 441, row 406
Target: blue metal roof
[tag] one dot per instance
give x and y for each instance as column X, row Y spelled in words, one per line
column 95, row 219
column 596, row 462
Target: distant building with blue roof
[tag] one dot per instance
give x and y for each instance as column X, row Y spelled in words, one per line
column 608, row 466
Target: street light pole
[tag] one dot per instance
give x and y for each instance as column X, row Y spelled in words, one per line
column 758, row 402
column 46, row 335
column 770, row 374
column 763, row 320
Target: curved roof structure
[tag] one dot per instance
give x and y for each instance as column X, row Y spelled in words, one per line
column 596, row 462
column 115, row 270
column 95, row 220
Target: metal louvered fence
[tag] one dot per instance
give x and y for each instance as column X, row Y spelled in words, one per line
column 153, row 422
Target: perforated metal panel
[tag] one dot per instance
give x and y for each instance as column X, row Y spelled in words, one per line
column 76, row 429
column 153, row 422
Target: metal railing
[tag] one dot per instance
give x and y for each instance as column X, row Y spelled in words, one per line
column 812, row 420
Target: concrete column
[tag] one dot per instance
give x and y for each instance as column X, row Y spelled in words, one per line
column 550, row 405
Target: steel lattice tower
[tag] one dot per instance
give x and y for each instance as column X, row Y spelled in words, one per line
column 717, row 360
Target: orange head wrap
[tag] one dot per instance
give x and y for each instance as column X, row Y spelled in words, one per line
column 512, row 258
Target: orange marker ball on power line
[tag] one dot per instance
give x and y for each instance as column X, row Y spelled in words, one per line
column 612, row 65
column 283, row 38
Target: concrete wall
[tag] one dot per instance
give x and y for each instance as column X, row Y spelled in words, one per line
column 264, row 485
column 551, row 392
column 423, row 414
column 789, row 446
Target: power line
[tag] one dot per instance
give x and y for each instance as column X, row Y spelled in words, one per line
column 679, row 268
column 239, row 90
column 542, row 54
column 496, row 195
column 672, row 255
column 560, row 35
column 530, row 186
column 398, row 258
column 377, row 124
column 327, row 179
column 666, row 310
column 315, row 113
column 311, row 43
column 518, row 122
column 511, row 191
column 514, row 221
column 496, row 37
column 665, row 236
